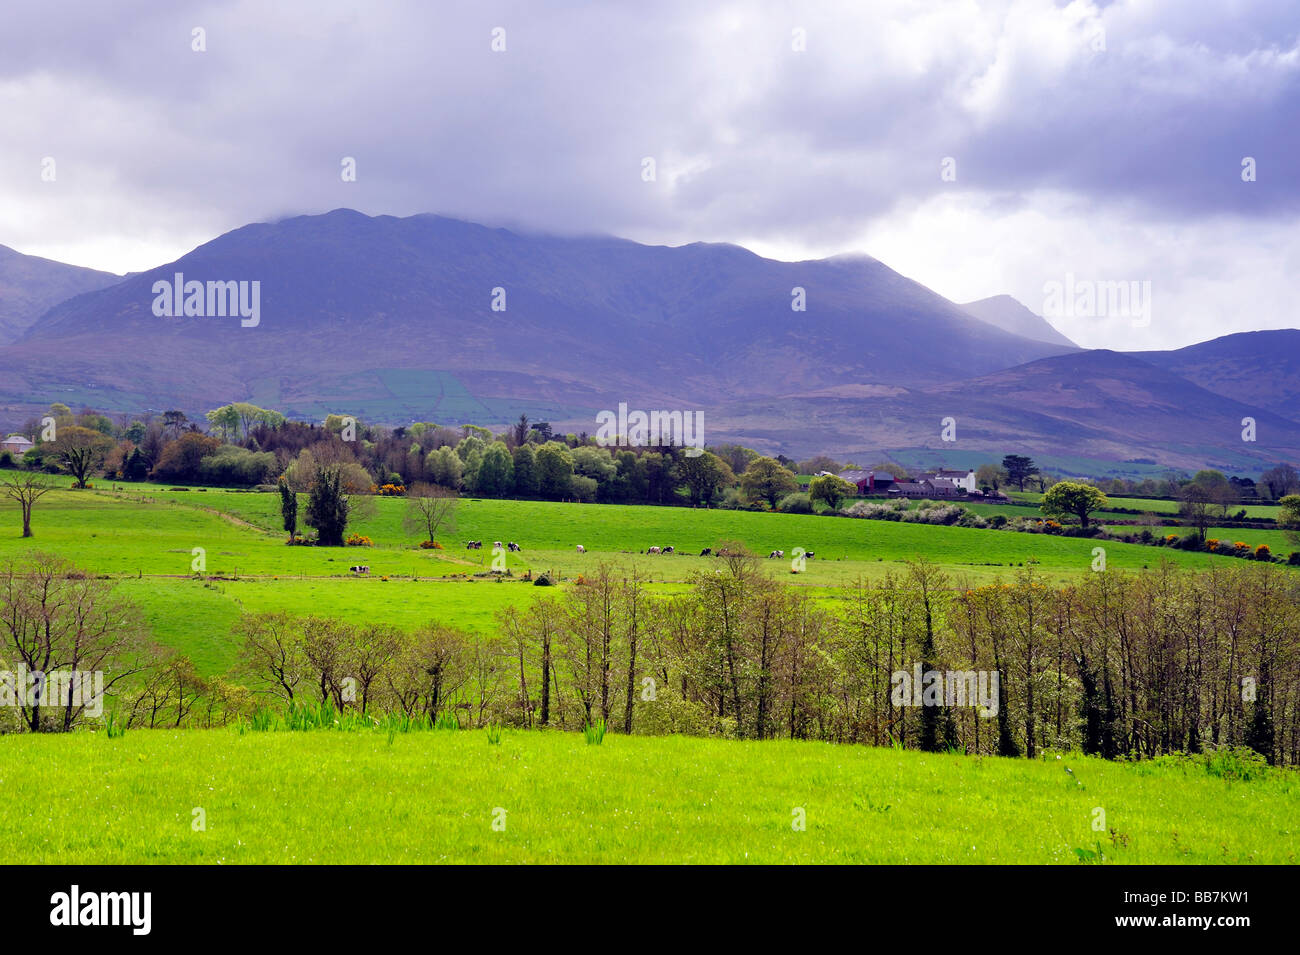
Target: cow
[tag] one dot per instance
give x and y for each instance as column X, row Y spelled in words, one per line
column 776, row 553
column 360, row 569
column 668, row 550
column 474, row 545
column 810, row 555
column 653, row 550
column 581, row 549
column 496, row 544
column 514, row 547
column 706, row 552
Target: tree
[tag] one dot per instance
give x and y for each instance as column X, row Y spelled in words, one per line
column 495, row 475
column 181, row 459
column 819, row 463
column 1218, row 489
column 328, row 506
column 1288, row 517
column 1072, row 498
column 288, row 507
column 554, row 469
column 831, row 489
column 80, row 450
column 429, row 507
column 445, row 467
column 1019, row 469
column 765, row 479
column 990, row 476
column 1280, row 480
column 26, row 490
column 1195, row 507
column 62, row 624
column 525, row 470
column 704, row 476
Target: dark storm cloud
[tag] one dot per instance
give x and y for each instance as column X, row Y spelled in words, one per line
column 1142, row 113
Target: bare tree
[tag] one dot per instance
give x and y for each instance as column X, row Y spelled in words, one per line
column 26, row 490
column 65, row 629
column 429, row 507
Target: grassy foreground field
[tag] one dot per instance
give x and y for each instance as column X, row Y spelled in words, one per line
column 321, row 796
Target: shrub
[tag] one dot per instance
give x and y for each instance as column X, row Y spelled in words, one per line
column 543, row 580
column 359, row 540
column 797, row 503
column 389, row 490
column 1263, row 553
column 430, row 545
column 594, row 733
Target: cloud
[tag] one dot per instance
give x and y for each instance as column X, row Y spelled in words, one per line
column 1085, row 137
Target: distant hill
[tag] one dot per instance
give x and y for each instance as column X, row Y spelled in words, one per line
column 1261, row 369
column 30, row 285
column 1096, row 404
column 1004, row 312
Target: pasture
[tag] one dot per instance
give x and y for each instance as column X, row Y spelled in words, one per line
column 361, row 797
column 145, row 536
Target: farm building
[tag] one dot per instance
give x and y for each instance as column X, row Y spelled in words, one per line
column 16, row 444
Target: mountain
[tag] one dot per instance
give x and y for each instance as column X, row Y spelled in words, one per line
column 1004, row 312
column 393, row 318
column 1260, row 369
column 1091, row 404
column 30, row 285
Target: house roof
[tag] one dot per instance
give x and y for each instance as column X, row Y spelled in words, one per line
column 16, row 439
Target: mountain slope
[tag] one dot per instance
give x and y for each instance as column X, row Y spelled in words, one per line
column 30, row 285
column 1004, row 312
column 1261, row 369
column 1097, row 404
column 351, row 304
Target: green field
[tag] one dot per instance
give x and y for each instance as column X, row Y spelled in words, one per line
column 146, row 536
column 318, row 797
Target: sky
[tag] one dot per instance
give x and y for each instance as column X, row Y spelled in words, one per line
column 980, row 148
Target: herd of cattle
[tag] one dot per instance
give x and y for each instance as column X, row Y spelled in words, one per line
column 515, row 548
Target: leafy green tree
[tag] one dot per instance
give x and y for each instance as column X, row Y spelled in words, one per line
column 554, row 469
column 766, row 479
column 328, row 507
column 495, row 475
column 525, row 469
column 1288, row 517
column 1073, row 499
column 288, row 507
column 831, row 490
column 1019, row 469
column 704, row 476
column 445, row 467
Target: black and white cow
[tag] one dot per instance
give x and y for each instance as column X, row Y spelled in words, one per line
column 514, row 547
column 360, row 569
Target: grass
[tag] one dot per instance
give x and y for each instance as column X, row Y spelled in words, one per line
column 364, row 797
column 145, row 536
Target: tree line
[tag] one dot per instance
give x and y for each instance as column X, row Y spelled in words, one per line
column 1121, row 665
